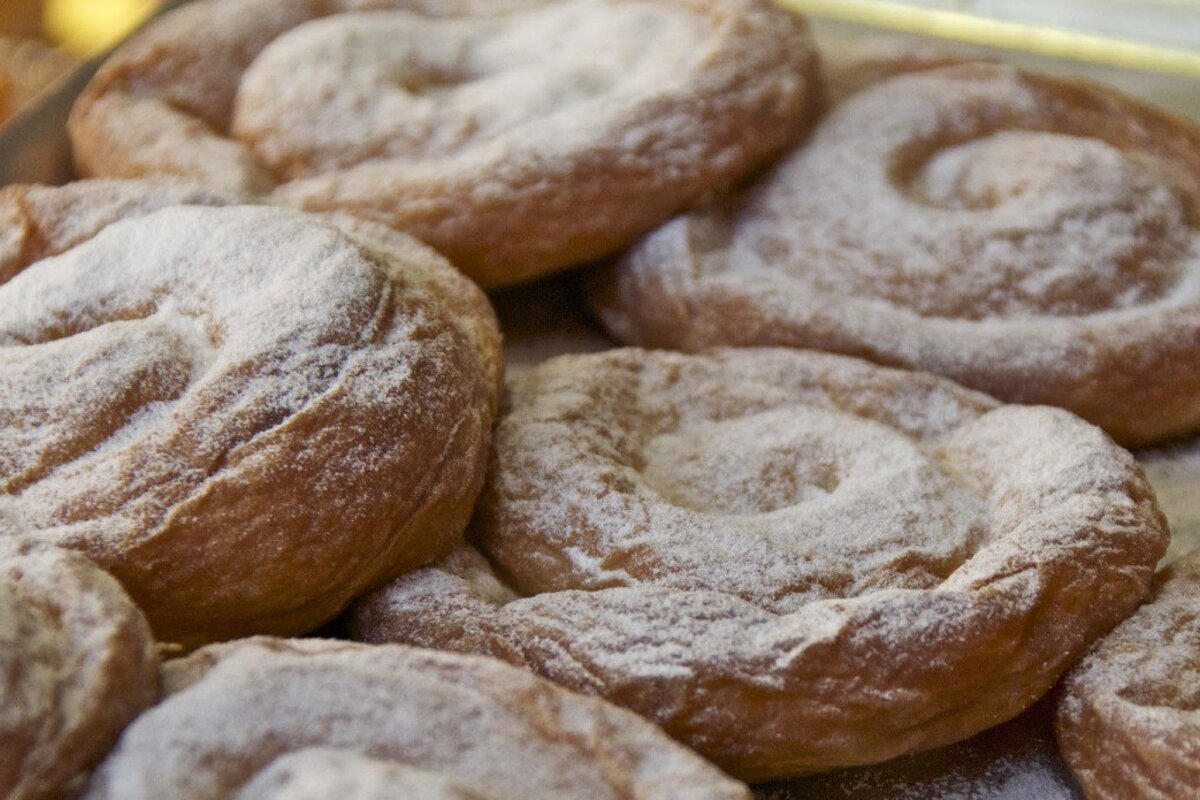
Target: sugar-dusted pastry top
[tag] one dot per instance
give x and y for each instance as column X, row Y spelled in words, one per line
column 792, row 561
column 515, row 136
column 248, row 415
column 1031, row 237
column 268, row 718
column 77, row 664
column 1020, row 759
column 777, row 477
column 1129, row 718
column 41, row 221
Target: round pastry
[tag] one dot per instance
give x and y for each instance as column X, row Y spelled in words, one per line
column 1129, row 718
column 1014, row 761
column 1030, row 237
column 77, row 664
column 247, row 415
column 515, row 136
column 791, row 561
column 267, row 718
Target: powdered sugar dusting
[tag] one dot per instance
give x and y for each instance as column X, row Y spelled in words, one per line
column 341, row 90
column 479, row 126
column 640, row 589
column 77, row 663
column 1015, row 233
column 717, row 474
column 187, row 292
column 1017, row 224
column 203, row 389
column 265, row 712
column 1130, row 713
column 321, row 773
column 957, row 215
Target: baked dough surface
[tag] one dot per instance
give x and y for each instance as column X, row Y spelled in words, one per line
column 1129, row 718
column 77, row 664
column 515, row 136
column 268, row 718
column 791, row 561
column 248, row 415
column 1034, row 238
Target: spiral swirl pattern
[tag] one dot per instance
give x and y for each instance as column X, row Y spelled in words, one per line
column 1030, row 237
column 791, row 561
column 227, row 407
column 515, row 136
column 263, row 718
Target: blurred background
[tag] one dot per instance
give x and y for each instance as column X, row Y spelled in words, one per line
column 84, row 27
column 41, row 41
column 1156, row 35
column 81, row 27
column 1147, row 47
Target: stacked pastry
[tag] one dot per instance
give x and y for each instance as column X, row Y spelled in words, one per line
column 866, row 496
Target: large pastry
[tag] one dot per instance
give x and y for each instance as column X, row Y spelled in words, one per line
column 515, row 136
column 267, row 718
column 1032, row 237
column 791, row 561
column 248, row 415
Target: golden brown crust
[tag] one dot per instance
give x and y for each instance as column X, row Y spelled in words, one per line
column 77, row 664
column 258, row 417
column 1034, row 238
column 585, row 154
column 1129, row 718
column 1018, row 760
column 272, row 718
column 792, row 561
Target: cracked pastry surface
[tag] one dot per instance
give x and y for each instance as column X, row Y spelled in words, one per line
column 791, row 561
column 515, row 136
column 247, row 415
